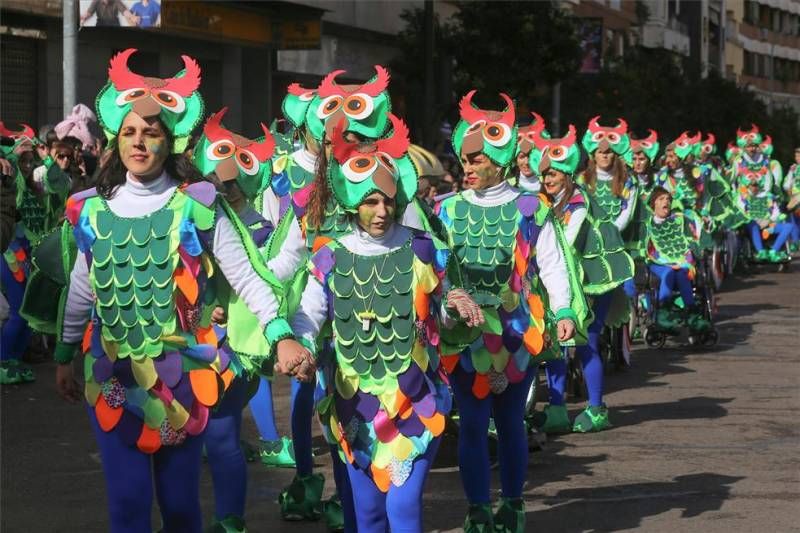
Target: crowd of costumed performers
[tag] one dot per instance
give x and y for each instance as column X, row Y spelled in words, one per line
column 195, row 264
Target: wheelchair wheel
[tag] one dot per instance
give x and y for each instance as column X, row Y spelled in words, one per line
column 710, row 338
column 718, row 267
column 655, row 339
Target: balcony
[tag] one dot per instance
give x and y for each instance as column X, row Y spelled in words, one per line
column 671, row 35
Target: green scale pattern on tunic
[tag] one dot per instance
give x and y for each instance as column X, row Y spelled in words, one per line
column 670, row 239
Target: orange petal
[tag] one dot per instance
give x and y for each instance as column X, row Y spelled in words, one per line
column 20, row 255
column 402, row 404
column 227, row 377
column 533, row 341
column 149, row 441
column 348, row 453
column 380, row 477
column 422, row 304
column 520, row 263
column 205, row 386
column 319, row 242
column 449, row 362
column 187, row 284
column 87, row 338
column 480, row 387
column 19, row 275
column 535, row 305
column 107, row 416
column 436, row 423
column 206, row 336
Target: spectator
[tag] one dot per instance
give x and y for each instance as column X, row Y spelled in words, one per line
column 146, row 13
column 107, row 12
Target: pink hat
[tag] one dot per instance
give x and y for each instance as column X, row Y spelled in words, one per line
column 76, row 124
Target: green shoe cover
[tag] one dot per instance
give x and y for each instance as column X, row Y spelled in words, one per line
column 592, row 419
column 231, row 524
column 301, row 499
column 332, row 513
column 479, row 519
column 778, row 256
column 13, row 372
column 278, row 453
column 762, row 255
column 556, row 420
column 492, row 429
column 665, row 320
column 698, row 323
column 510, row 516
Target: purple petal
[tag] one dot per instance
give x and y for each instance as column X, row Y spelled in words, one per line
column 324, row 260
column 411, row 381
column 201, row 352
column 169, row 367
column 102, row 369
column 511, row 340
column 225, row 354
column 345, row 409
column 367, row 406
column 426, row 406
column 527, row 204
column 203, row 192
column 423, row 248
column 411, row 426
column 129, row 428
column 123, row 372
column 183, row 392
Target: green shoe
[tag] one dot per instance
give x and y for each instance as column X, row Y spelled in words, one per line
column 510, row 516
column 13, row 372
column 665, row 319
column 301, row 499
column 332, row 513
column 762, row 255
column 592, row 419
column 697, row 322
column 278, row 453
column 231, row 524
column 479, row 519
column 492, row 429
column 556, row 420
column 778, row 256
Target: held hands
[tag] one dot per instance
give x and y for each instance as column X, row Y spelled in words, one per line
column 466, row 307
column 66, row 386
column 218, row 316
column 294, row 360
column 566, row 329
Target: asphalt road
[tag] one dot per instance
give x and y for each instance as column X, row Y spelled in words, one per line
column 702, row 441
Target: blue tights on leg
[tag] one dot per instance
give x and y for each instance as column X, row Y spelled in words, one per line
column 16, row 333
column 225, row 458
column 400, row 509
column 589, row 354
column 302, row 413
column 129, row 477
column 670, row 280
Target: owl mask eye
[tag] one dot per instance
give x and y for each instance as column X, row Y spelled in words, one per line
column 329, row 106
column 131, row 95
column 646, row 145
column 247, row 162
column 169, row 100
column 558, row 153
column 496, row 133
column 475, row 127
column 598, row 136
column 359, row 168
column 358, row 106
column 219, row 150
column 612, row 137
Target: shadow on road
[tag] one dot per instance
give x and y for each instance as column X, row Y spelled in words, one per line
column 683, row 409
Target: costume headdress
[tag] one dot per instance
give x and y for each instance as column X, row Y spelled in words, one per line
column 364, row 106
column 174, row 100
column 751, row 136
column 25, row 135
column 706, row 147
column 481, row 130
column 731, row 151
column 525, row 134
column 684, row 145
column 598, row 136
column 234, row 157
column 649, row 146
column 766, row 147
column 357, row 170
column 295, row 104
column 561, row 154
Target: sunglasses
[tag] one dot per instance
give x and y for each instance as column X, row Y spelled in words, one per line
column 63, row 156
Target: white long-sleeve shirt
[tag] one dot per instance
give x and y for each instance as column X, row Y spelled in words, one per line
column 530, row 183
column 552, row 267
column 573, row 225
column 136, row 199
column 624, row 217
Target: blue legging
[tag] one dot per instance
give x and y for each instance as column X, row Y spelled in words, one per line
column 301, row 418
column 129, row 476
column 225, row 458
column 783, row 231
column 343, row 488
column 400, row 509
column 589, row 353
column 795, row 235
column 16, row 333
column 556, row 371
column 508, row 410
column 672, row 279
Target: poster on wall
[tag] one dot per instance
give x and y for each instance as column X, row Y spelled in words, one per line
column 127, row 13
column 590, row 34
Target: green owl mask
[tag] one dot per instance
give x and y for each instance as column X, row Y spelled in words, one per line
column 233, row 157
column 705, row 148
column 295, row 104
column 26, row 136
column 649, row 146
column 357, row 170
column 561, row 154
column 174, row 100
column 481, row 130
column 684, row 145
column 598, row 136
column 364, row 106
column 751, row 136
column 766, row 146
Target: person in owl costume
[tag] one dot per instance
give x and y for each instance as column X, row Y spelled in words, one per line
column 39, row 207
column 495, row 232
column 243, row 169
column 671, row 248
column 528, row 156
column 679, row 175
column 151, row 239
column 604, row 266
column 640, row 158
column 766, row 147
column 754, row 180
column 382, row 289
column 791, row 188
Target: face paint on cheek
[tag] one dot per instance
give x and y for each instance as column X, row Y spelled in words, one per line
column 155, row 147
column 365, row 216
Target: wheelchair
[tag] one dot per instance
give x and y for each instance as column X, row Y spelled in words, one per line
column 747, row 260
column 655, row 335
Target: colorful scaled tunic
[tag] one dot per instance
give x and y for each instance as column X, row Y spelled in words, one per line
column 717, row 200
column 670, row 241
column 154, row 365
column 388, row 397
column 619, row 210
column 513, row 259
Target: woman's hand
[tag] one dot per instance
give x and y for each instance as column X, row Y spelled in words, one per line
column 566, row 329
column 293, row 359
column 466, row 307
column 66, row 385
column 218, row 316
